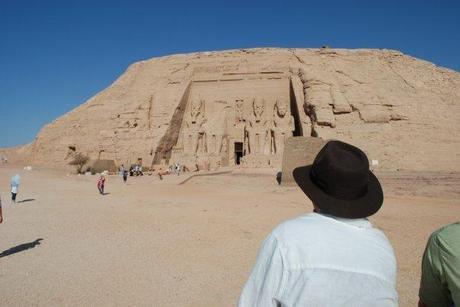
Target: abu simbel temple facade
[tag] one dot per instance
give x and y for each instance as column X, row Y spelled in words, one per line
column 235, row 119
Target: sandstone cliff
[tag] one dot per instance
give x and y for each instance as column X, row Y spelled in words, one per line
column 402, row 111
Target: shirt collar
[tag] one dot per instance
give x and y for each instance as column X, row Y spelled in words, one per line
column 361, row 222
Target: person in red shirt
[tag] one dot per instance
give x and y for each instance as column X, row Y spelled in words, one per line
column 101, row 183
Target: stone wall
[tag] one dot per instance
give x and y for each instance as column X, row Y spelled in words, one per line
column 299, row 151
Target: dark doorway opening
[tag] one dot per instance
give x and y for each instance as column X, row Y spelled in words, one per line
column 238, row 152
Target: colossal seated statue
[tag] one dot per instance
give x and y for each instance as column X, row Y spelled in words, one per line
column 256, row 128
column 282, row 127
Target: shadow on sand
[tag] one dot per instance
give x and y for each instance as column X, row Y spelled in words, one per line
column 25, row 200
column 20, row 248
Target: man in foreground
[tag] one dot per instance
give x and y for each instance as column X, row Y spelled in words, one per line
column 440, row 283
column 333, row 256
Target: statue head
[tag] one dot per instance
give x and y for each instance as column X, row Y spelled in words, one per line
column 281, row 108
column 258, row 106
column 239, row 105
column 196, row 109
column 239, row 109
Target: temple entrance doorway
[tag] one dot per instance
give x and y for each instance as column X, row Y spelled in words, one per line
column 238, row 152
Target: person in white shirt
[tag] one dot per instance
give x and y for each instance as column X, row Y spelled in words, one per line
column 14, row 187
column 333, row 256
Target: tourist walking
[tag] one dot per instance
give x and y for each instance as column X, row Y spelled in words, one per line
column 333, row 256
column 125, row 176
column 123, row 173
column 122, row 170
column 440, row 282
column 15, row 180
column 101, row 183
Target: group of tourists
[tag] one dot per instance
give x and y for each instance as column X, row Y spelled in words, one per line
column 175, row 168
column 334, row 256
column 136, row 170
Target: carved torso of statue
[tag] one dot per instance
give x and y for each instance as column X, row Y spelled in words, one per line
column 239, row 111
column 196, row 116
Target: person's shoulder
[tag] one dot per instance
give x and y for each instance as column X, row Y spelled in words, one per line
column 292, row 227
column 446, row 238
column 310, row 227
column 450, row 230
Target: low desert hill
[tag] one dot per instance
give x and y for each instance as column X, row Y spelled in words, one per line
column 402, row 111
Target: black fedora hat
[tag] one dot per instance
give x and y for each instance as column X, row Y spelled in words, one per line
column 340, row 183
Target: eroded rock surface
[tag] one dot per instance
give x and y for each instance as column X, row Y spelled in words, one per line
column 221, row 108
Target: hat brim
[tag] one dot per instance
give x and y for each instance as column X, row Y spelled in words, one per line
column 361, row 207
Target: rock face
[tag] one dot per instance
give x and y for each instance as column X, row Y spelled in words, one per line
column 300, row 151
column 238, row 106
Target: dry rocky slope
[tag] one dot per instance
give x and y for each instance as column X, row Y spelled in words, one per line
column 404, row 112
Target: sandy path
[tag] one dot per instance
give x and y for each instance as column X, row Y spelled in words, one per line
column 156, row 243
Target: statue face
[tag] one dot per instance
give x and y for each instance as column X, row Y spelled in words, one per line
column 281, row 108
column 258, row 106
column 239, row 106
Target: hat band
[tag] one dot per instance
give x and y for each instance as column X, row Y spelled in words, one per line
column 340, row 192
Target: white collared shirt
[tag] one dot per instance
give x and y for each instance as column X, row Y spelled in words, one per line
column 319, row 260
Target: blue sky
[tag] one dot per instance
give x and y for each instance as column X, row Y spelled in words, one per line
column 54, row 55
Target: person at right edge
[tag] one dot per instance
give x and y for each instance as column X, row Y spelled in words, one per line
column 333, row 256
column 440, row 282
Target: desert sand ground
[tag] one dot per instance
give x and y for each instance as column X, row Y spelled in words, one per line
column 157, row 243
